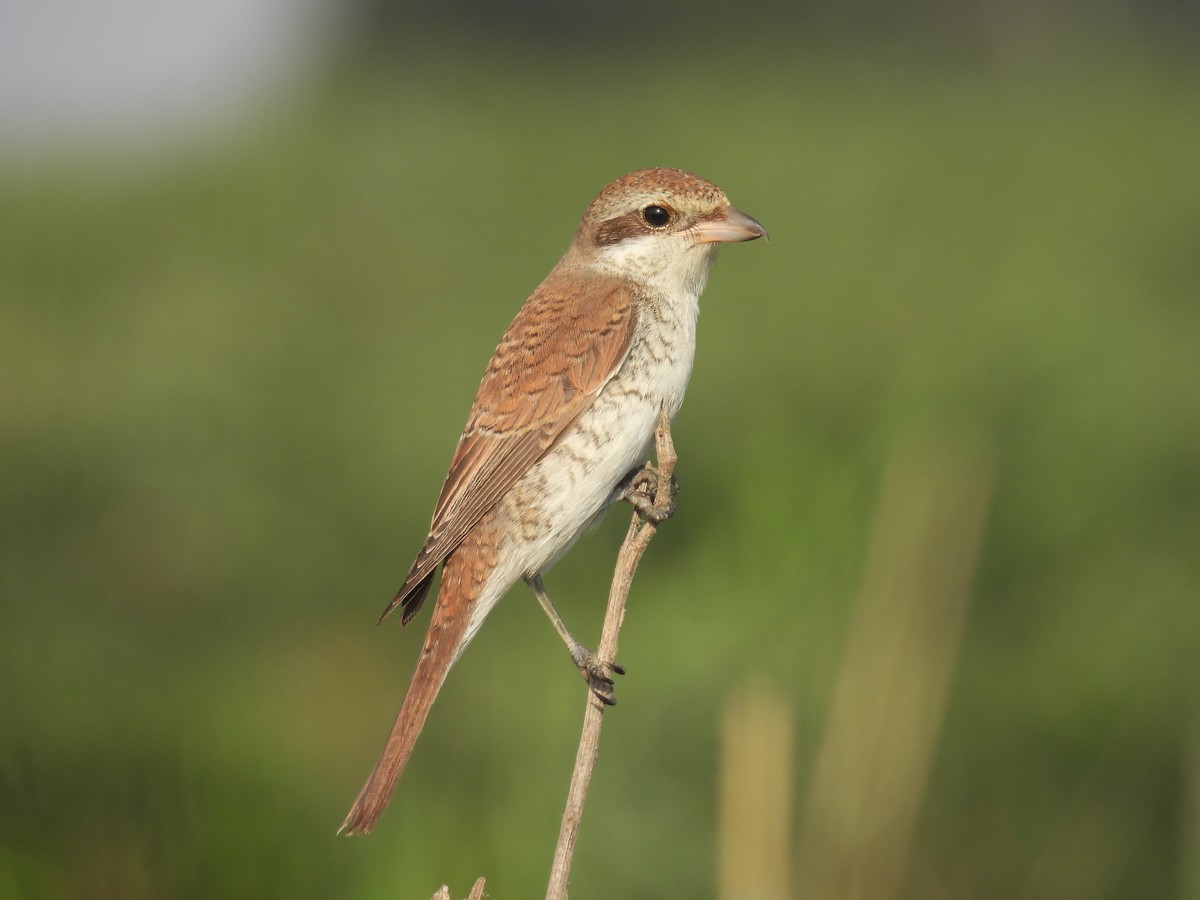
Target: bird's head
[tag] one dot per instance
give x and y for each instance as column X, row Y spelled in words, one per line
column 660, row 226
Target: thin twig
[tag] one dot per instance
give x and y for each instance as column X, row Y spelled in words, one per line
column 443, row 893
column 637, row 539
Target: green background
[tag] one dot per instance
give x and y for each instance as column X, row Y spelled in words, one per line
column 232, row 379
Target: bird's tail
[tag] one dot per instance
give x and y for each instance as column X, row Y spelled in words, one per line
column 463, row 578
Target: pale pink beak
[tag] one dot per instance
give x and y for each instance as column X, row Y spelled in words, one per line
column 728, row 226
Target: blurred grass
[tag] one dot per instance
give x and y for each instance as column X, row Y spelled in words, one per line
column 232, row 382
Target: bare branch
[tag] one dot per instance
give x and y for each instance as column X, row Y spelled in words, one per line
column 443, row 893
column 642, row 528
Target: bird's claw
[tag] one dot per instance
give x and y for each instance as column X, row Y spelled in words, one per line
column 641, row 492
column 596, row 674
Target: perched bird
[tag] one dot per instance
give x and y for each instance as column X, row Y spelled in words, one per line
column 565, row 412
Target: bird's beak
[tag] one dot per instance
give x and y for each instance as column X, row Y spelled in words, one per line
column 728, row 226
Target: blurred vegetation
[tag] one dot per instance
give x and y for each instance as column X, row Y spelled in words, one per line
column 232, row 381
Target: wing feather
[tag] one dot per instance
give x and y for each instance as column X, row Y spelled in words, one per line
column 568, row 340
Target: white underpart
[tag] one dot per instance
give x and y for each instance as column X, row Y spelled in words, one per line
column 573, row 484
column 668, row 264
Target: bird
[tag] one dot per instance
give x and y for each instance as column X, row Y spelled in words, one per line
column 562, row 419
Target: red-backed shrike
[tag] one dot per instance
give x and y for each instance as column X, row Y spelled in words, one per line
column 566, row 409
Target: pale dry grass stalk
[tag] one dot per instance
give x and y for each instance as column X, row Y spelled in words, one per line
column 875, row 754
column 637, row 539
column 754, row 801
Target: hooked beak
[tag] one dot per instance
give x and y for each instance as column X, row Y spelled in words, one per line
column 729, row 226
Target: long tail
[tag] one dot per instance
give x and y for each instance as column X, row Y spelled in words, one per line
column 463, row 578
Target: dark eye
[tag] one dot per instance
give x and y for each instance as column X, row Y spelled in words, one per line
column 656, row 216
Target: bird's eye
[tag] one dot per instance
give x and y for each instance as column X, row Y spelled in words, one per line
column 656, row 216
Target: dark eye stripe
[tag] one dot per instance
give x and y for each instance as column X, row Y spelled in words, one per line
column 621, row 227
column 632, row 224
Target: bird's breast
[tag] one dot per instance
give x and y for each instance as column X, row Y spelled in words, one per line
column 563, row 494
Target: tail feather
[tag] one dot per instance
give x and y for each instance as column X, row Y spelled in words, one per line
column 444, row 641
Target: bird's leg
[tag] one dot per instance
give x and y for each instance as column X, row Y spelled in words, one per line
column 594, row 671
column 640, row 488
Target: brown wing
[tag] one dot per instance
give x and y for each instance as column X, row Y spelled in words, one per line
column 567, row 341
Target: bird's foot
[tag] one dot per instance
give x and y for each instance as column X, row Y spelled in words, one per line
column 640, row 490
column 596, row 673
